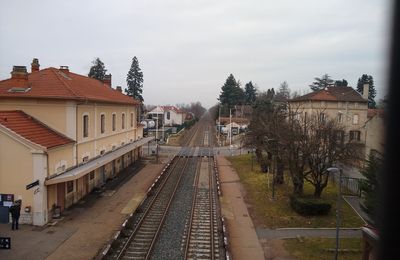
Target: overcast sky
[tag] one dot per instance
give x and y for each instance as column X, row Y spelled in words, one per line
column 187, row 48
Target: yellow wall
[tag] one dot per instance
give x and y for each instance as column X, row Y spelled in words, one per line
column 51, row 196
column 58, row 155
column 375, row 135
column 52, row 113
column 15, row 169
column 96, row 141
column 332, row 109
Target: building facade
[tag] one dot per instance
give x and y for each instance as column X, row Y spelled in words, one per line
column 64, row 134
column 343, row 104
column 168, row 115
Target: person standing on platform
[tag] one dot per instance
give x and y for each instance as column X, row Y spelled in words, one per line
column 15, row 211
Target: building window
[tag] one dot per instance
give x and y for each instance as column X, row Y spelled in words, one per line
column 102, row 123
column 85, row 126
column 131, row 119
column 102, row 152
column 85, row 159
column 355, row 119
column 123, row 121
column 114, row 119
column 91, row 175
column 340, row 136
column 168, row 115
column 322, row 117
column 355, row 135
column 70, row 186
column 340, row 118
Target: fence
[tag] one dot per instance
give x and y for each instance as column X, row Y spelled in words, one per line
column 350, row 186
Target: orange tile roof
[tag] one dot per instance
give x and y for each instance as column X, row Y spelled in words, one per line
column 53, row 83
column 173, row 108
column 32, row 129
column 333, row 94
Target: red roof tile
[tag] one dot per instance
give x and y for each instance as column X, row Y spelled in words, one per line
column 56, row 84
column 172, row 108
column 333, row 94
column 32, row 129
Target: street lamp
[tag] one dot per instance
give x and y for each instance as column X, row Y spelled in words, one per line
column 337, row 170
column 230, row 128
column 219, row 124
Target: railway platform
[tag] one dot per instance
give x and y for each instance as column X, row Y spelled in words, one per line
column 86, row 228
column 242, row 236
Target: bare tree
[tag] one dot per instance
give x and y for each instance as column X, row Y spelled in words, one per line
column 313, row 144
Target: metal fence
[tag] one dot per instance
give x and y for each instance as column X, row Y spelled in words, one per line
column 350, row 186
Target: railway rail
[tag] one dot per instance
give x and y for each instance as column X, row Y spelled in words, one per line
column 182, row 203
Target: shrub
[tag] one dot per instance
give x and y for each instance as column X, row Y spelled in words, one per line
column 307, row 206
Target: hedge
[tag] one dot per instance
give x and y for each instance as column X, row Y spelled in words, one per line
column 307, row 206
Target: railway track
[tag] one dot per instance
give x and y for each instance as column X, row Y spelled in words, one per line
column 182, row 204
column 139, row 243
column 203, row 232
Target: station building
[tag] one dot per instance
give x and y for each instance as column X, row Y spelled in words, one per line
column 61, row 135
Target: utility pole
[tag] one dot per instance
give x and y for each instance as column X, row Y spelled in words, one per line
column 157, row 139
column 219, row 124
column 230, row 128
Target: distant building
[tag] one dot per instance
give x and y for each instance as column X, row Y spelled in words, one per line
column 375, row 129
column 63, row 134
column 168, row 115
column 344, row 104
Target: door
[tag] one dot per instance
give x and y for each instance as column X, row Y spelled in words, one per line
column 86, row 184
column 103, row 174
column 113, row 168
column 61, row 195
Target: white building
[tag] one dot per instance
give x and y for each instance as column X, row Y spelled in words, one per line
column 170, row 115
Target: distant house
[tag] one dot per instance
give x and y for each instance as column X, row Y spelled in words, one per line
column 374, row 132
column 62, row 135
column 168, row 115
column 344, row 104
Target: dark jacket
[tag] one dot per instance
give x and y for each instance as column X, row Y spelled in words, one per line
column 15, row 210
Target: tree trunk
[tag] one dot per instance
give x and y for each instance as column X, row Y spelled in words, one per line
column 259, row 155
column 279, row 178
column 318, row 191
column 298, row 185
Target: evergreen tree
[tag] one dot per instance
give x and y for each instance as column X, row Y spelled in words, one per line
column 321, row 83
column 231, row 93
column 367, row 79
column 341, row 83
column 250, row 93
column 370, row 186
column 134, row 80
column 98, row 70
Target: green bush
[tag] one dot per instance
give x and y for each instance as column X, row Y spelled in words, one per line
column 307, row 206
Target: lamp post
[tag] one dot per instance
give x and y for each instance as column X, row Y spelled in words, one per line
column 219, row 124
column 337, row 170
column 230, row 128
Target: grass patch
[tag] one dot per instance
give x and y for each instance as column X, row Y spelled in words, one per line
column 277, row 213
column 316, row 248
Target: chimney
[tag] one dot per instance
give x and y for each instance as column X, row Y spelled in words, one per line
column 35, row 65
column 107, row 80
column 119, row 88
column 64, row 69
column 19, row 72
column 365, row 91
